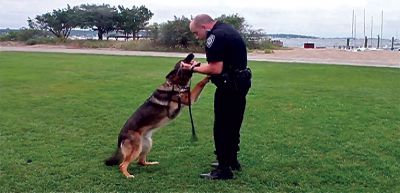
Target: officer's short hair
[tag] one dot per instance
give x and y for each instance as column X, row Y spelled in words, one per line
column 202, row 19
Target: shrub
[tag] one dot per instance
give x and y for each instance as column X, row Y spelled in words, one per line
column 10, row 36
column 26, row 34
column 268, row 51
column 41, row 40
column 29, row 36
column 91, row 43
column 136, row 45
column 262, row 45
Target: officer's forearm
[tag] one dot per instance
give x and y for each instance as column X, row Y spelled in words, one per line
column 210, row 68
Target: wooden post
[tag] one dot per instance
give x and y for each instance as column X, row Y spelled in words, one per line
column 392, row 43
column 379, row 38
column 366, row 42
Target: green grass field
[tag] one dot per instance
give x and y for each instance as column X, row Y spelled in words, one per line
column 308, row 128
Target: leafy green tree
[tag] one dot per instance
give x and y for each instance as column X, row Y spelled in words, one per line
column 176, row 33
column 154, row 31
column 252, row 37
column 60, row 22
column 144, row 15
column 238, row 22
column 131, row 21
column 100, row 18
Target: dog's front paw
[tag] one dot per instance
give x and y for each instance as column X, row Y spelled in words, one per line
column 148, row 163
column 130, row 176
column 153, row 163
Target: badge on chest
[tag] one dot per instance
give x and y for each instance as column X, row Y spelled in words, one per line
column 210, row 40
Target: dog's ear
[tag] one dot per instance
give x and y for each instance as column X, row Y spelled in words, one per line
column 171, row 74
column 189, row 58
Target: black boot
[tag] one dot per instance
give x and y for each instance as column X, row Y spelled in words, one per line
column 218, row 174
column 235, row 166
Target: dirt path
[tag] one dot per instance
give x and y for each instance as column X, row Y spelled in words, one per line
column 381, row 58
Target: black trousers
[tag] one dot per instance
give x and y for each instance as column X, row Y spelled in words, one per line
column 229, row 108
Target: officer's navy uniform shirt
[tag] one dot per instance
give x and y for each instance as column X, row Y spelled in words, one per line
column 225, row 44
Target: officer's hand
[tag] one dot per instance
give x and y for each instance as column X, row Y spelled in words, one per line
column 186, row 66
column 189, row 66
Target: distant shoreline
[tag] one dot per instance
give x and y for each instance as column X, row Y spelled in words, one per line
column 279, row 35
column 381, row 58
column 90, row 33
column 334, row 42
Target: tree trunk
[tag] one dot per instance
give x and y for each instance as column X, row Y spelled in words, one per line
column 100, row 34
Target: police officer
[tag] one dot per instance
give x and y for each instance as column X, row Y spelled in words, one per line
column 227, row 66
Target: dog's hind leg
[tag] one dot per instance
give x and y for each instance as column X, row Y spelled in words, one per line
column 130, row 149
column 147, row 143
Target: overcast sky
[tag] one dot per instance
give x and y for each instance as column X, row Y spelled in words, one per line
column 323, row 18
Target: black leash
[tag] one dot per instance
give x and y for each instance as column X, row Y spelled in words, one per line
column 194, row 136
column 188, row 59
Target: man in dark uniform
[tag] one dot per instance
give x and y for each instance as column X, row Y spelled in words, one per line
column 227, row 65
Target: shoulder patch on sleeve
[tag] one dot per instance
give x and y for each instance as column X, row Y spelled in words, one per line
column 210, row 40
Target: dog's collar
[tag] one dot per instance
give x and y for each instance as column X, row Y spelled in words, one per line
column 168, row 86
column 170, row 89
column 157, row 101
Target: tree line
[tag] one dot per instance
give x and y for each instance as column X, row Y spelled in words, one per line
column 101, row 18
column 130, row 21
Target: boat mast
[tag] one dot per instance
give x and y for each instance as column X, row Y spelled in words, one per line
column 355, row 29
column 352, row 26
column 372, row 26
column 364, row 23
column 382, row 26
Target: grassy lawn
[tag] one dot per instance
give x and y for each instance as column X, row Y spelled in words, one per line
column 308, row 128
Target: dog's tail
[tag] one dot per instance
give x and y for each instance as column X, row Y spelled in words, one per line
column 115, row 159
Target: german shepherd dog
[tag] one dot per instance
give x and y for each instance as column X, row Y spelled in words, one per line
column 134, row 140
